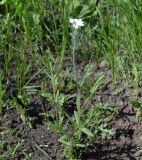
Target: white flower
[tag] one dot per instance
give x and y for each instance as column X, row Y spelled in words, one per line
column 76, row 23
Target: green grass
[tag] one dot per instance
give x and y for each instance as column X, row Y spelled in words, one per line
column 36, row 38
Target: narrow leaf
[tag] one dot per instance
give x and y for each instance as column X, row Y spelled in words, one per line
column 78, row 102
column 77, row 118
column 87, row 73
column 87, row 132
column 97, row 84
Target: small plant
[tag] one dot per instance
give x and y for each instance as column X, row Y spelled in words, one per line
column 21, row 102
column 86, row 125
column 12, row 150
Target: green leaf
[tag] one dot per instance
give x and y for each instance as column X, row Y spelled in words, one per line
column 47, row 95
column 85, row 10
column 87, row 73
column 60, row 100
column 76, row 3
column 24, row 100
column 1, row 158
column 14, row 103
column 104, row 63
column 80, row 145
column 136, row 74
column 78, row 102
column 137, row 104
column 87, row 132
column 61, row 119
column 97, row 84
column 3, row 2
column 77, row 118
column 63, row 140
column 36, row 18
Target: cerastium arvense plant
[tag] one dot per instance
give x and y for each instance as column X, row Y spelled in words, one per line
column 85, row 125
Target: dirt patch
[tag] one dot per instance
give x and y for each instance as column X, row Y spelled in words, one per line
column 38, row 141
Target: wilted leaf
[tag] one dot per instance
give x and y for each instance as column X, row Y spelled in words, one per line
column 117, row 91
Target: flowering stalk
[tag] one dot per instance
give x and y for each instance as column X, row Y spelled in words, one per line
column 76, row 23
column 74, row 54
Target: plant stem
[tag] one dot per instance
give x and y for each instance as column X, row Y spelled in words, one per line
column 74, row 55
